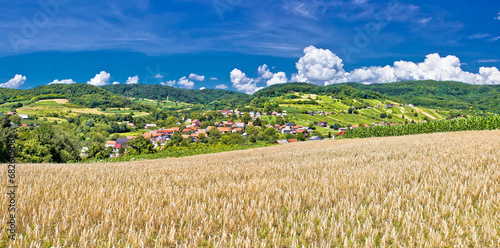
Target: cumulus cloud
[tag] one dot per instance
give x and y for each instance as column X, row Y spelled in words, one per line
column 498, row 16
column 14, row 83
column 115, row 82
column 322, row 67
column 434, row 67
column 214, row 79
column 132, row 80
column 64, row 81
column 264, row 72
column 158, row 76
column 278, row 78
column 196, row 77
column 100, row 79
column 319, row 66
column 185, row 83
column 221, row 86
column 243, row 83
column 203, row 88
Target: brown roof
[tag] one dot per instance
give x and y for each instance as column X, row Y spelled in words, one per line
column 110, row 142
column 224, row 129
column 292, row 140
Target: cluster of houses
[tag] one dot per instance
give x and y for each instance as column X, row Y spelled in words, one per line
column 24, row 117
column 254, row 115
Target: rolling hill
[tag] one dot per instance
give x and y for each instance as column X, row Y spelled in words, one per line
column 160, row 92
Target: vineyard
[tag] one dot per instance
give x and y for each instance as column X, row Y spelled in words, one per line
column 491, row 122
column 429, row 190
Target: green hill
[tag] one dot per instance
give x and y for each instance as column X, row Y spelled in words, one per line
column 79, row 94
column 447, row 95
column 160, row 92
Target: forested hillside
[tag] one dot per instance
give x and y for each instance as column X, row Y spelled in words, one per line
column 160, row 92
column 80, row 94
column 306, row 88
column 450, row 95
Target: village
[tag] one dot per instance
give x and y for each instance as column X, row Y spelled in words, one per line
column 192, row 130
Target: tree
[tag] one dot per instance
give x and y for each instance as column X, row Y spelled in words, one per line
column 98, row 151
column 301, row 137
column 213, row 136
column 383, row 115
column 6, row 133
column 257, row 122
column 246, row 117
column 141, row 145
column 202, row 139
column 15, row 119
column 335, row 126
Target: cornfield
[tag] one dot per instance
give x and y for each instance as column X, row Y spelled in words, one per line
column 431, row 190
column 490, row 122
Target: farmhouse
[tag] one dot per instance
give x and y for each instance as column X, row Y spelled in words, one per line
column 281, row 142
column 323, row 124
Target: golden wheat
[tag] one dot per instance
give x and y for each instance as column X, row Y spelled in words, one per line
column 415, row 191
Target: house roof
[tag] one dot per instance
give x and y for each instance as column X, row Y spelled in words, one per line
column 281, row 141
column 224, row 129
column 122, row 141
column 111, row 142
column 292, row 140
column 117, row 146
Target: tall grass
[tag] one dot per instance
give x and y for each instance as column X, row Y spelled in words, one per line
column 432, row 190
column 491, row 122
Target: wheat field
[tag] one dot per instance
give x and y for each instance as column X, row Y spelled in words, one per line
column 429, row 190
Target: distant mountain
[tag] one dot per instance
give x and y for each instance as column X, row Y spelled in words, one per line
column 160, row 92
column 79, row 94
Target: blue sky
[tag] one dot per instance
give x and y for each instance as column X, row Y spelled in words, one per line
column 226, row 41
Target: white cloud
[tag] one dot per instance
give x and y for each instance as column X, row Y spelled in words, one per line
column 319, row 66
column 14, row 83
column 278, row 78
column 214, row 79
column 221, row 86
column 322, row 67
column 478, row 36
column 196, row 77
column 498, row 16
column 169, row 83
column 100, row 79
column 434, row 67
column 132, row 80
column 116, row 82
column 488, row 60
column 64, row 81
column 264, row 72
column 494, row 38
column 424, row 21
column 203, row 88
column 185, row 83
column 243, row 83
column 158, row 76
